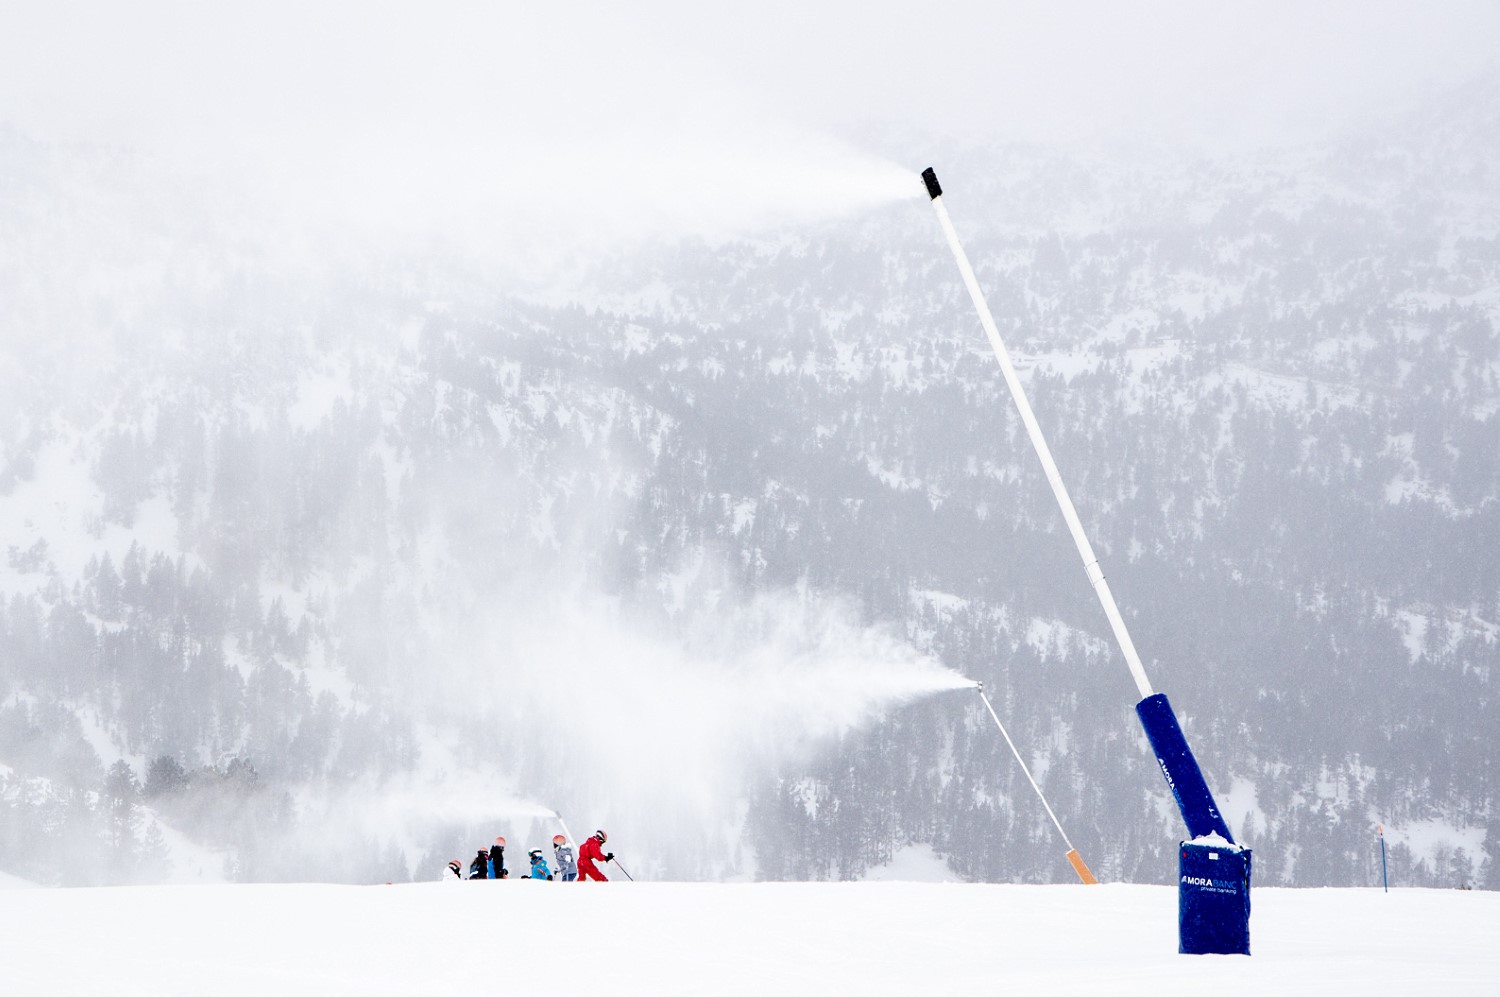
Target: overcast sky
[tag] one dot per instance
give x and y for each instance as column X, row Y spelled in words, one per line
column 685, row 102
column 995, row 69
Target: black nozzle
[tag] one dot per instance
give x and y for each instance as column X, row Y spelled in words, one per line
column 930, row 179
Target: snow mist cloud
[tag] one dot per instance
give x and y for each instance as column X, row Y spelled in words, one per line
column 659, row 731
column 523, row 135
column 533, row 136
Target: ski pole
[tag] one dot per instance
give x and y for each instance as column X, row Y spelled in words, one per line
column 1074, row 858
column 1384, row 881
column 622, row 869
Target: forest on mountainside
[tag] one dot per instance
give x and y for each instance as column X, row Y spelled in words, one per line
column 1273, row 388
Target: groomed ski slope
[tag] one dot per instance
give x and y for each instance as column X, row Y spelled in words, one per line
column 699, row 938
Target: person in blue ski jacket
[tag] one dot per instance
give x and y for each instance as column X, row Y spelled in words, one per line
column 567, row 868
column 539, row 868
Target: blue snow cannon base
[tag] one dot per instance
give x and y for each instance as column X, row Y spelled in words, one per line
column 1213, row 899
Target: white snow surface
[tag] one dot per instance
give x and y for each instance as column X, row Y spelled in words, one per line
column 914, row 864
column 727, row 939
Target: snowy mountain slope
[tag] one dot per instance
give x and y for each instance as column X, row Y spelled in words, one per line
column 302, row 524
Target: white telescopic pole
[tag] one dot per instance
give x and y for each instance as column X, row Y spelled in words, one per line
column 1020, row 761
column 1073, row 856
column 1070, row 515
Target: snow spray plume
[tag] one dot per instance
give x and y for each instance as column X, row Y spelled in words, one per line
column 437, row 142
column 660, row 731
column 418, row 801
column 412, row 813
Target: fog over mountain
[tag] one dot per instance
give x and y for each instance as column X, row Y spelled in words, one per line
column 348, row 520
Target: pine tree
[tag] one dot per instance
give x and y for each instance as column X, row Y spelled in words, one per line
column 155, row 861
column 122, row 818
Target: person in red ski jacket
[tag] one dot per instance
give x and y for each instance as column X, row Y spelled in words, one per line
column 592, row 851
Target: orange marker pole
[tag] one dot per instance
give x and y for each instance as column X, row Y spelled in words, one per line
column 1081, row 869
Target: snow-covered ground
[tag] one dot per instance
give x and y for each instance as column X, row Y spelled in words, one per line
column 743, row 938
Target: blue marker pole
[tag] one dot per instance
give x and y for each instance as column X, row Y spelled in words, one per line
column 1384, row 881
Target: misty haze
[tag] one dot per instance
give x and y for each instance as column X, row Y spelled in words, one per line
column 417, row 428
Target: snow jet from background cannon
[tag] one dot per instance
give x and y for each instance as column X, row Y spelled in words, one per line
column 1178, row 766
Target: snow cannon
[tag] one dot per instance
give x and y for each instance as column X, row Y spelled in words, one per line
column 1229, row 923
column 1213, row 873
column 1178, row 766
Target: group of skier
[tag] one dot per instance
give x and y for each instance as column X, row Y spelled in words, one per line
column 490, row 863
